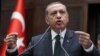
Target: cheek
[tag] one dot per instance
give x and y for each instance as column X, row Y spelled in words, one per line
column 51, row 20
column 66, row 20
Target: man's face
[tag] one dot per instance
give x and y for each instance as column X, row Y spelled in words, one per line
column 57, row 16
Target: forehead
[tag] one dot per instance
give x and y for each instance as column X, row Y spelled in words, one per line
column 56, row 7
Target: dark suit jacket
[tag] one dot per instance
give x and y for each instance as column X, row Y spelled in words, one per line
column 71, row 45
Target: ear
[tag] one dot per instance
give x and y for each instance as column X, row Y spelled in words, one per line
column 46, row 19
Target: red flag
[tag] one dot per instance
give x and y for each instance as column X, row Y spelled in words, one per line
column 17, row 25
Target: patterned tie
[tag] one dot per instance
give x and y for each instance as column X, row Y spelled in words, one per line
column 57, row 47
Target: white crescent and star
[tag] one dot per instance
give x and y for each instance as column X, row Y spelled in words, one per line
column 20, row 42
column 17, row 15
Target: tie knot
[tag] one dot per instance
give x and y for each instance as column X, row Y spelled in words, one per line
column 57, row 37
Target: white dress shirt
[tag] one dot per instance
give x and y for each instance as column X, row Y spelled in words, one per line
column 53, row 34
column 62, row 35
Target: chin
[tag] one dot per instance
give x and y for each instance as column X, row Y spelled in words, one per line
column 60, row 27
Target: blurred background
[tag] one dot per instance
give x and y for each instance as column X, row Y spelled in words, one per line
column 84, row 15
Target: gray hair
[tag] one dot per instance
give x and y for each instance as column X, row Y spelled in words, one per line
column 46, row 10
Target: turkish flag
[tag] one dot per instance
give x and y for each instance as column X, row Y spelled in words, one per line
column 17, row 25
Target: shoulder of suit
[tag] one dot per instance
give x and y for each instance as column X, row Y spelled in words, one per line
column 40, row 35
column 36, row 37
column 71, row 33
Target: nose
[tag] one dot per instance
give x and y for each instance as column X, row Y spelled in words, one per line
column 58, row 15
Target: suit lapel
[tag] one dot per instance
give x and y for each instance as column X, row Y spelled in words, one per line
column 48, row 44
column 67, row 41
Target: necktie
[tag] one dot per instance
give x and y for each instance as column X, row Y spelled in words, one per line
column 57, row 47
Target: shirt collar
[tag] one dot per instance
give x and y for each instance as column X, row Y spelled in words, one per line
column 53, row 33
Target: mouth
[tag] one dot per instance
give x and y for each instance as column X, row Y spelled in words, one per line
column 59, row 22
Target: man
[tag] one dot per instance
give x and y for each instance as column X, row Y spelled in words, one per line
column 70, row 43
column 58, row 40
column 11, row 40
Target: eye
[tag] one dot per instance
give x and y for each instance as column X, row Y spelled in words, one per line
column 54, row 12
column 62, row 12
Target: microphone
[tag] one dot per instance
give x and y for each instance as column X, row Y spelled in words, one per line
column 66, row 53
column 29, row 48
